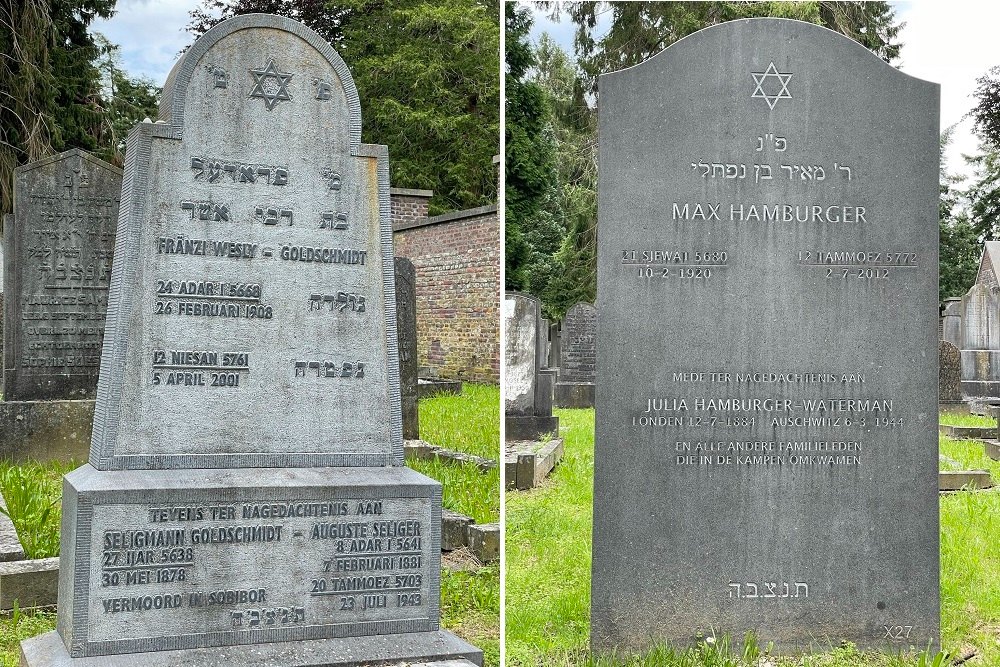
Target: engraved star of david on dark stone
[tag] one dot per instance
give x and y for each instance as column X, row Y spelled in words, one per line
column 781, row 79
column 271, row 85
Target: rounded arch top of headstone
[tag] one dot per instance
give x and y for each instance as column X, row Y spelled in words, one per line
column 580, row 306
column 727, row 42
column 268, row 80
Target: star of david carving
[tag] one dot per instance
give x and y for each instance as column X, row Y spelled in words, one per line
column 761, row 79
column 271, row 85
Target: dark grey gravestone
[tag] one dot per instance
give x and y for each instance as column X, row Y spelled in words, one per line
column 577, row 365
column 527, row 389
column 406, row 327
column 766, row 428
column 554, row 345
column 59, row 244
column 949, row 373
column 246, row 500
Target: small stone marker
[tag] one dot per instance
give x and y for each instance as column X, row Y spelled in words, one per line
column 766, row 448
column 951, row 321
column 527, row 389
column 246, row 483
column 949, row 375
column 59, row 244
column 577, row 365
column 406, row 326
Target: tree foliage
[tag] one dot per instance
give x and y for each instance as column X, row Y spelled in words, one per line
column 959, row 245
column 49, row 85
column 562, row 272
column 533, row 234
column 640, row 30
column 986, row 113
column 427, row 77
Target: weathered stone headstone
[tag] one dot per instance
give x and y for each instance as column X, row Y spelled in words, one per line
column 59, row 245
column 406, row 326
column 949, row 375
column 979, row 326
column 577, row 365
column 766, row 448
column 527, row 391
column 951, row 321
column 246, row 500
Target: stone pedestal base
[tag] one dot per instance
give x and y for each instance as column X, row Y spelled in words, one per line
column 530, row 428
column 434, row 649
column 46, row 430
column 169, row 560
column 574, row 395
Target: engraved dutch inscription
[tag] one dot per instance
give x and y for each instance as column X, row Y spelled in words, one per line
column 767, row 298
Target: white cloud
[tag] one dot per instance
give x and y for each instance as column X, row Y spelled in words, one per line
column 151, row 34
column 951, row 44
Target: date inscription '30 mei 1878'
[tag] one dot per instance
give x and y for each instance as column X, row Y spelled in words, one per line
column 316, row 561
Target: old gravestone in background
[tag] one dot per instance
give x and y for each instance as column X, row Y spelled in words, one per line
column 528, row 388
column 578, row 357
column 246, row 481
column 58, row 246
column 766, row 447
column 406, row 326
column 60, row 243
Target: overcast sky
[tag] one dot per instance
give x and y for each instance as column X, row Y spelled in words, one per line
column 949, row 43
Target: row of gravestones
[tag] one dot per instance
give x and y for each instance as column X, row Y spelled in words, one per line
column 61, row 243
column 245, row 500
column 970, row 327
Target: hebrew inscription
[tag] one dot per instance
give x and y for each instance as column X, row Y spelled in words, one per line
column 59, row 250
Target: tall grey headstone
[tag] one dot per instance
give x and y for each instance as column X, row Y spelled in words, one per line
column 978, row 323
column 578, row 357
column 951, row 321
column 406, row 327
column 527, row 388
column 766, row 424
column 58, row 245
column 246, row 500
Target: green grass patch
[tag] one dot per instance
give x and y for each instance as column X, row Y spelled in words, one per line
column 950, row 419
column 16, row 626
column 33, row 492
column 968, row 454
column 548, row 575
column 470, row 607
column 467, row 490
column 468, row 422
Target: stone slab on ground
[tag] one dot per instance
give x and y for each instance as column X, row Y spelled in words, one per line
column 10, row 543
column 968, row 432
column 529, row 427
column 528, row 462
column 427, row 387
column 992, row 449
column 423, row 450
column 454, row 530
column 433, row 649
column 45, row 430
column 30, row 583
column 575, row 394
column 484, row 541
column 953, row 480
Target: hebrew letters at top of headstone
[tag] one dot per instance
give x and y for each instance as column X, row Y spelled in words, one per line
column 59, row 242
column 252, row 318
column 766, row 446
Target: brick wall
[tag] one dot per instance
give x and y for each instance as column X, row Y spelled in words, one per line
column 457, row 258
column 408, row 206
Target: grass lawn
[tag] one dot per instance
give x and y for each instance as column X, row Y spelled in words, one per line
column 548, row 573
column 470, row 601
column 951, row 419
